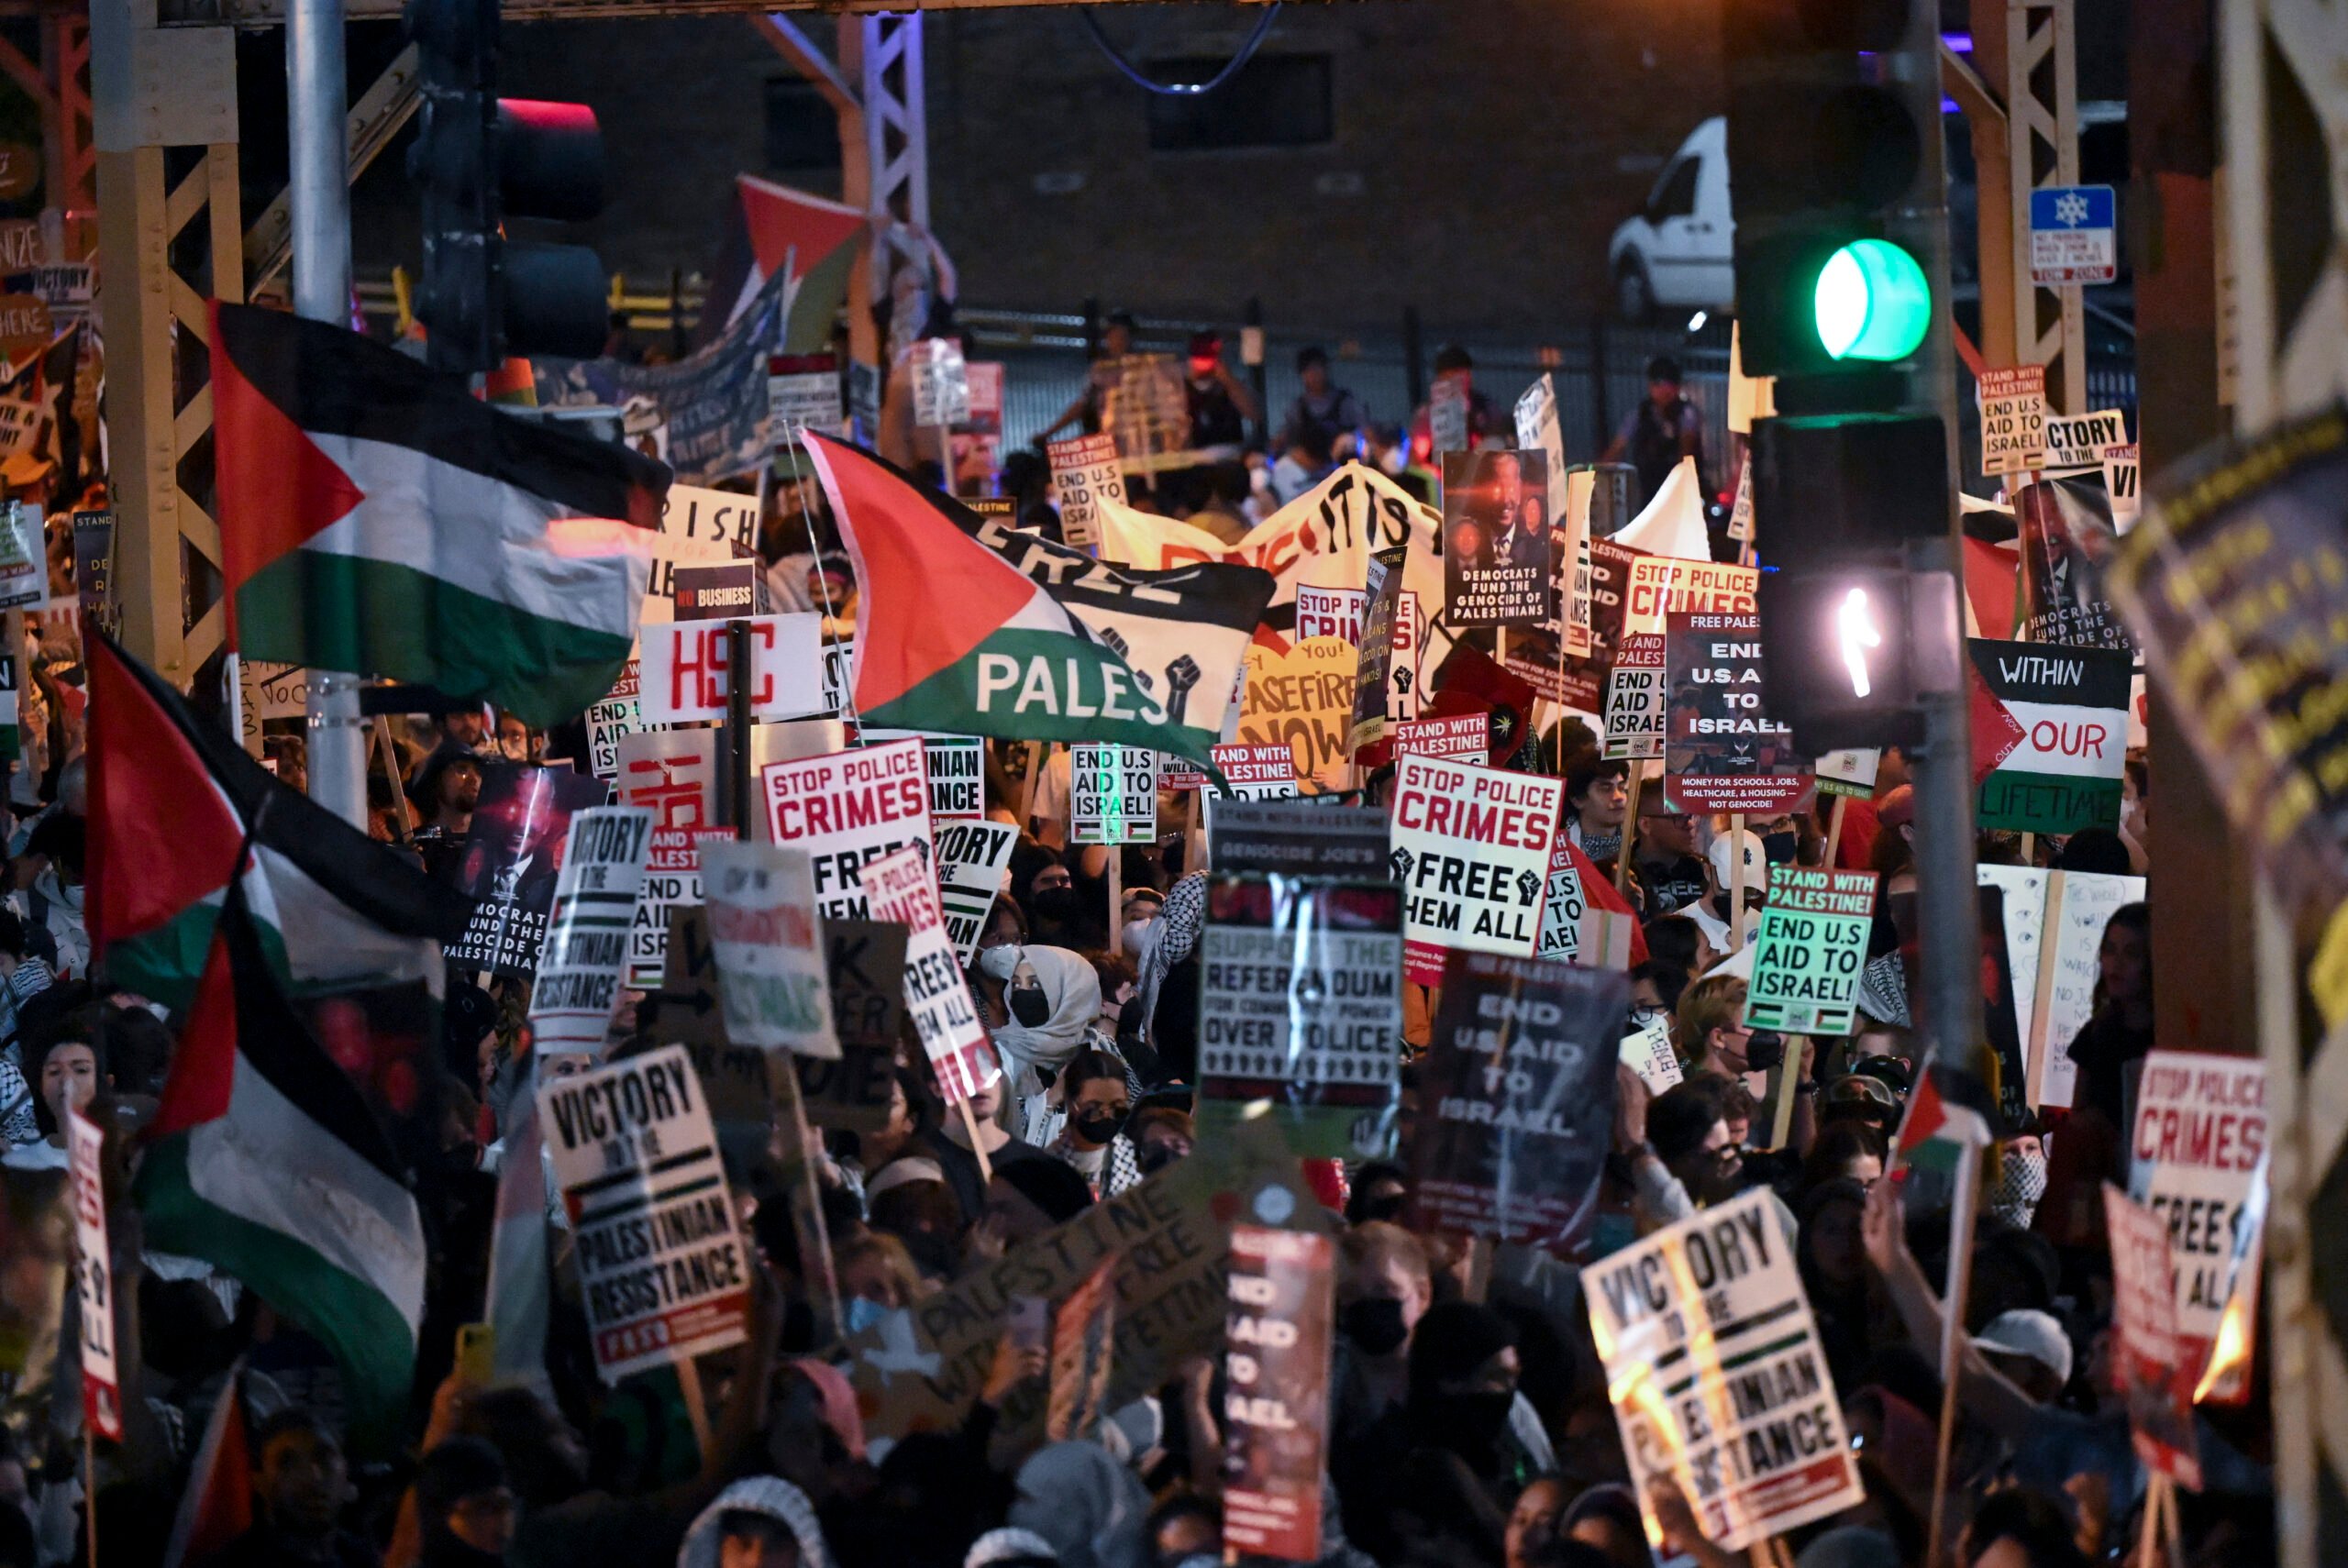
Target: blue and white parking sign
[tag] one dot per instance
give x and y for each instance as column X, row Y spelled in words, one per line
column 2074, row 235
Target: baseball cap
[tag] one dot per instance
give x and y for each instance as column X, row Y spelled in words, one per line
column 1756, row 859
column 2032, row 1335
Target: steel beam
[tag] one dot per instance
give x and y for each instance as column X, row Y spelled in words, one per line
column 374, row 119
column 271, row 13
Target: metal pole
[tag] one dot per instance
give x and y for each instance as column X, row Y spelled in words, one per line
column 317, row 99
column 736, row 746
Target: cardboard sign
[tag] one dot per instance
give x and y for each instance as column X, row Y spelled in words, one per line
column 1660, row 587
column 1298, row 838
column 1301, row 1004
column 1849, row 772
column 663, row 1272
column 618, row 713
column 1304, row 699
column 903, row 888
column 941, row 383
column 2081, row 442
column 971, row 859
column 1519, row 1078
column 2013, row 419
column 848, row 809
column 1812, row 944
column 771, row 961
column 2197, row 1160
column 1470, row 846
column 683, row 665
column 1113, row 794
column 1720, row 751
column 2078, row 905
column 1281, row 1332
column 1084, row 471
column 1498, row 563
column 512, row 860
column 1258, row 772
column 2050, row 735
column 1635, row 698
column 1462, row 737
column 1649, row 1052
column 2152, row 1368
column 93, row 1276
column 1330, row 612
column 586, row 950
column 1718, row 1379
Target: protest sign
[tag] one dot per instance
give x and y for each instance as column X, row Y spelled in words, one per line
column 1258, row 772
column 2124, row 481
column 1649, row 1052
column 616, row 713
column 24, row 558
column 1448, row 416
column 1113, row 794
column 511, row 861
column 1520, row 1070
column 848, row 809
column 1303, row 697
column 839, row 680
column 2152, row 1370
column 1563, row 906
column 1175, row 772
column 957, row 772
column 674, row 776
column 1740, row 512
column 1635, row 704
column 1084, row 1335
column 93, row 1276
column 2025, row 916
column 2081, row 442
column 1330, row 612
column 941, row 383
column 2013, row 419
column 2000, row 1014
column 1537, row 429
column 971, row 859
column 683, row 669
column 1461, row 737
column 903, row 888
column 268, row 688
column 1497, row 565
column 920, row 1369
column 2064, row 534
column 1850, row 772
column 1813, row 942
column 1296, row 838
column 1084, row 472
column 1470, row 846
column 770, row 977
column 698, row 527
column 1718, row 1382
column 586, row 949
column 93, row 534
column 1660, row 587
column 1301, row 1004
column 1279, row 1334
column 1579, row 681
column 1720, row 751
column 804, row 390
column 720, row 591
column 2050, row 730
column 2197, row 1160
column 663, row 1272
column 1376, row 667
column 2078, row 905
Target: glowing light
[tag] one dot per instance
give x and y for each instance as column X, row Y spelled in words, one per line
column 1856, row 630
column 1871, row 302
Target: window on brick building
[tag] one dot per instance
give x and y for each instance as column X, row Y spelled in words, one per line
column 1275, row 100
column 802, row 130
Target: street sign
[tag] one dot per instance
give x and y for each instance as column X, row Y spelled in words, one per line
column 2074, row 235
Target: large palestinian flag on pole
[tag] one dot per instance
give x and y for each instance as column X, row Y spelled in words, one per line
column 176, row 812
column 375, row 517
column 950, row 637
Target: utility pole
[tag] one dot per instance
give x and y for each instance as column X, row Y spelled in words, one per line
column 315, row 94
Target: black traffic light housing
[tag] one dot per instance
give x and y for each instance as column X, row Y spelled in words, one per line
column 481, row 162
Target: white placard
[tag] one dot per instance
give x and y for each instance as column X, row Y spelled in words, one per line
column 1085, row 473
column 2079, row 904
column 771, row 967
column 971, row 858
column 1113, row 794
column 2013, row 419
column 586, row 949
column 848, row 809
column 2197, row 1158
column 93, row 1276
column 902, row 888
column 683, row 669
column 1470, row 846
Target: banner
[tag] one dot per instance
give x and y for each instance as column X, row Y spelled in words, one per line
column 2197, row 1161
column 771, row 961
column 665, row 1275
column 1258, row 772
column 1297, row 838
column 2069, row 918
column 1718, row 1379
column 2151, row 1371
column 1813, row 946
column 511, row 861
column 1301, row 1004
column 848, row 809
column 1113, row 794
column 2065, row 537
column 1280, row 1333
column 1720, row 751
column 1520, row 1075
column 971, row 859
column 93, row 1276
column 1462, row 737
column 1084, row 472
column 1303, row 697
column 684, row 664
column 1497, row 565
column 903, row 888
column 2050, row 734
column 586, row 950
column 1635, row 704
column 1470, row 846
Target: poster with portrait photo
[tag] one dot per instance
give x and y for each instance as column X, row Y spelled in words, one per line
column 513, row 854
column 1501, row 549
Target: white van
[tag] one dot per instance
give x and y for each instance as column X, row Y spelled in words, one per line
column 1676, row 253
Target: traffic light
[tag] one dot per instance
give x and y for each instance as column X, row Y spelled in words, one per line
column 481, row 162
column 1833, row 104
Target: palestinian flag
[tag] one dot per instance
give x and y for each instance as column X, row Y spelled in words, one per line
column 520, row 1298
column 375, row 517
column 951, row 639
column 217, row 1505
column 177, row 812
column 2050, row 735
column 1948, row 1112
column 265, row 1161
column 775, row 229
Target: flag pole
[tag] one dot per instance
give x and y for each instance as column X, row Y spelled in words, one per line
column 1960, row 1281
column 1630, row 829
column 1834, row 829
column 1736, row 881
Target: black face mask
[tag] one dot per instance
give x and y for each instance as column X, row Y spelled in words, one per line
column 1468, row 1424
column 1780, row 847
column 1155, row 1157
column 1029, row 1006
column 1098, row 1127
column 1375, row 1323
column 1054, row 903
column 1370, row 1209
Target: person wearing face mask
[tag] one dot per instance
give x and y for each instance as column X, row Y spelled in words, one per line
column 1093, row 1139
column 1057, row 915
column 1042, row 1006
column 1385, row 1288
column 1161, row 1135
column 68, row 1072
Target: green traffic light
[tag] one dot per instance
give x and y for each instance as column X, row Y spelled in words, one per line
column 1872, row 301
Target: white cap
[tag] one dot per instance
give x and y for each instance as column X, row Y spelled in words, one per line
column 2032, row 1335
column 1757, row 860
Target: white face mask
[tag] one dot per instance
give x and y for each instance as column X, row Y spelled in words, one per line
column 997, row 963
